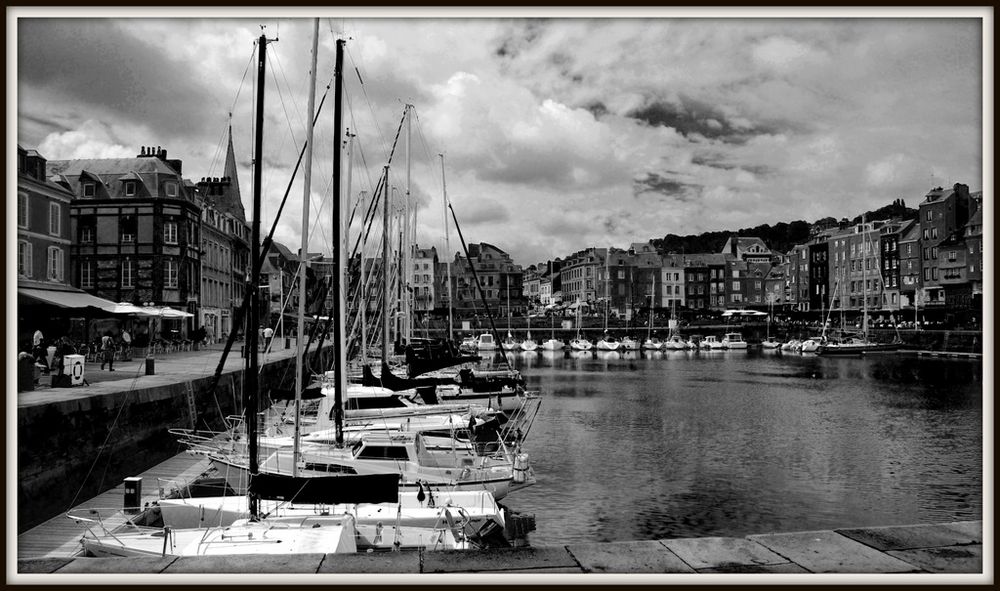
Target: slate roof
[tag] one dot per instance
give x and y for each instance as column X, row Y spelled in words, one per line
column 110, row 171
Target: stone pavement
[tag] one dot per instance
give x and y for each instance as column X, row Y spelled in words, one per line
column 168, row 369
column 953, row 548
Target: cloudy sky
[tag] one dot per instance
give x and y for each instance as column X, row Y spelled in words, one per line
column 557, row 133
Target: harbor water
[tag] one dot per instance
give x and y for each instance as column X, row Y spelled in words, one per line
column 631, row 446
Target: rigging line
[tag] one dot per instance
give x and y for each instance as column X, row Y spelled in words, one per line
column 238, row 317
column 364, row 92
column 371, row 207
column 218, row 150
column 239, row 90
column 284, row 108
column 427, row 150
column 296, row 110
column 354, row 124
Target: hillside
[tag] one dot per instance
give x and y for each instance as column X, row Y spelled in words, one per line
column 780, row 237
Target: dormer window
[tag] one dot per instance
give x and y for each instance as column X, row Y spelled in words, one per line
column 170, row 189
column 129, row 188
column 89, row 189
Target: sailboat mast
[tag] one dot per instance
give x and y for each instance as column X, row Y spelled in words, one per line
column 408, row 239
column 385, row 270
column 304, row 248
column 652, row 296
column 340, row 251
column 864, row 279
column 607, row 287
column 447, row 252
column 253, row 287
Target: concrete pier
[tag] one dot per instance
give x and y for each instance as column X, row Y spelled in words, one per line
column 954, row 548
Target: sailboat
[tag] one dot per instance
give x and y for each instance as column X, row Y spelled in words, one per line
column 529, row 344
column 510, row 343
column 770, row 342
column 334, row 534
column 580, row 343
column 858, row 345
column 370, row 497
column 553, row 344
column 607, row 342
column 651, row 343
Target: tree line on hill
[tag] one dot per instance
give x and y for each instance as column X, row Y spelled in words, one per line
column 780, row 237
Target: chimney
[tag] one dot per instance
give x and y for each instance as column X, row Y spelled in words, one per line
column 733, row 240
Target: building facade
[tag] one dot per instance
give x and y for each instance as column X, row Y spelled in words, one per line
column 137, row 229
column 43, row 226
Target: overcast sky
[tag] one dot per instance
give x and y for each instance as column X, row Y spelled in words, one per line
column 558, row 134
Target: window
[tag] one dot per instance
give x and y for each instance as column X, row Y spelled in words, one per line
column 170, row 189
column 89, row 189
column 736, row 272
column 24, row 258
column 55, row 219
column 129, row 188
column 86, row 234
column 934, row 233
column 55, row 263
column 929, row 216
column 128, row 228
column 952, row 255
column 170, row 275
column 170, row 232
column 934, row 252
column 756, row 284
column 87, row 274
column 736, row 285
column 927, row 274
column 128, row 276
column 621, row 273
column 22, row 210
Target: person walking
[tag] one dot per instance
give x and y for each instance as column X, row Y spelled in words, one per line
column 126, row 345
column 107, row 351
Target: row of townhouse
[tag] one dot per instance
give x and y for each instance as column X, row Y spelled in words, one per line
column 876, row 264
column 933, row 261
column 135, row 230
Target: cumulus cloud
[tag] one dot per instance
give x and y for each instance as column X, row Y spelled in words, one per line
column 558, row 134
column 91, row 140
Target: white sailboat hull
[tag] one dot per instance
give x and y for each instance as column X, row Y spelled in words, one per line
column 327, row 535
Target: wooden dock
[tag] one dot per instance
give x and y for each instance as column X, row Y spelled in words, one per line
column 59, row 537
column 955, row 548
column 887, row 554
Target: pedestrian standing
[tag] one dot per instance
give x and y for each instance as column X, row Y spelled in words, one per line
column 268, row 333
column 37, row 338
column 107, row 351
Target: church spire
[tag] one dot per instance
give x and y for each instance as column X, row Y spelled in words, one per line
column 232, row 192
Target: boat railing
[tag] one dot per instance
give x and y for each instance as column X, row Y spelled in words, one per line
column 95, row 518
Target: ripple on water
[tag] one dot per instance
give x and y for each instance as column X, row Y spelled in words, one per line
column 731, row 445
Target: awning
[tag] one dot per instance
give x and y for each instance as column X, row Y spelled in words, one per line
column 67, row 299
column 165, row 312
column 126, row 308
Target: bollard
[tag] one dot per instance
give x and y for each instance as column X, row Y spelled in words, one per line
column 150, row 366
column 133, row 494
column 288, row 342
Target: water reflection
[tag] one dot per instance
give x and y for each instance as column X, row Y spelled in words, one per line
column 674, row 444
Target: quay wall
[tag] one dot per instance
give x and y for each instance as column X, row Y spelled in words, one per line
column 69, row 451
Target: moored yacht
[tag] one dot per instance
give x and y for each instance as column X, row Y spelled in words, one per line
column 733, row 340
